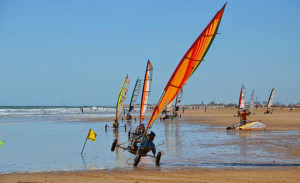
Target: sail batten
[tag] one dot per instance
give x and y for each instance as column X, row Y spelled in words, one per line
column 188, row 64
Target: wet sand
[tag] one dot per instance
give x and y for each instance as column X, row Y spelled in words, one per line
column 280, row 120
column 186, row 175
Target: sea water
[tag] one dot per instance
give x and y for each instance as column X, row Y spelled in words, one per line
column 51, row 139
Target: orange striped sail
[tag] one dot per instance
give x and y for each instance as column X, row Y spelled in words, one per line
column 146, row 90
column 188, row 65
column 122, row 97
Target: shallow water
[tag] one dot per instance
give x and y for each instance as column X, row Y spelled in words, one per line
column 54, row 143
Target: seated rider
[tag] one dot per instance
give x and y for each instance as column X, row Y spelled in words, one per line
column 243, row 116
column 147, row 144
column 139, row 129
column 115, row 123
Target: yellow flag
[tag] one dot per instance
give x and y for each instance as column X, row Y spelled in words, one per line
column 92, row 135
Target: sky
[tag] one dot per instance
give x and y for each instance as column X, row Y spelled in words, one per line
column 75, row 52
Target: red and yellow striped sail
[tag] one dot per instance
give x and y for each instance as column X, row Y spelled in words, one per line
column 188, row 65
column 122, row 97
column 146, row 90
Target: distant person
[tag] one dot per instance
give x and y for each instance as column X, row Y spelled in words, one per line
column 183, row 109
column 243, row 117
column 115, row 124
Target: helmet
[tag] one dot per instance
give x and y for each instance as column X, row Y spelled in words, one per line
column 151, row 133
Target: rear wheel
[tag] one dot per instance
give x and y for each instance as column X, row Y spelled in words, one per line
column 158, row 158
column 113, row 146
column 129, row 134
column 137, row 160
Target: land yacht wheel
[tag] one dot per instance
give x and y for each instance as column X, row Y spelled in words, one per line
column 137, row 160
column 113, row 145
column 158, row 158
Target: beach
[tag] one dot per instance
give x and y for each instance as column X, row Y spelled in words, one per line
column 280, row 138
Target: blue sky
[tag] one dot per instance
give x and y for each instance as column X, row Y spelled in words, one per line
column 79, row 52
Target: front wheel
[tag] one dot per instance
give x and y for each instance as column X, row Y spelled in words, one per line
column 137, row 160
column 113, row 145
column 158, row 158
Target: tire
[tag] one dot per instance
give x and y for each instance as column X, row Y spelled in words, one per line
column 113, row 145
column 106, row 128
column 137, row 160
column 228, row 128
column 129, row 134
column 158, row 158
column 125, row 127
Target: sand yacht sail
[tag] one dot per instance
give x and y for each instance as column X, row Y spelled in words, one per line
column 251, row 104
column 146, row 90
column 241, row 105
column 178, row 102
column 121, row 101
column 188, row 64
column 135, row 94
column 270, row 101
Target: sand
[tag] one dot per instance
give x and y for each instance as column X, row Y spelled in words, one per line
column 279, row 120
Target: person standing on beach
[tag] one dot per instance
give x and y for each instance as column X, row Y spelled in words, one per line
column 183, row 109
column 243, row 117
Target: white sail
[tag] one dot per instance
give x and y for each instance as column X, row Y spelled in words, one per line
column 169, row 107
column 146, row 90
column 270, row 102
column 251, row 104
column 242, row 99
column 178, row 100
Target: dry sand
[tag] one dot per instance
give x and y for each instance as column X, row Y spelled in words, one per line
column 279, row 120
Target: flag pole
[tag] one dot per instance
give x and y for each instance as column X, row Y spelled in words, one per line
column 85, row 142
